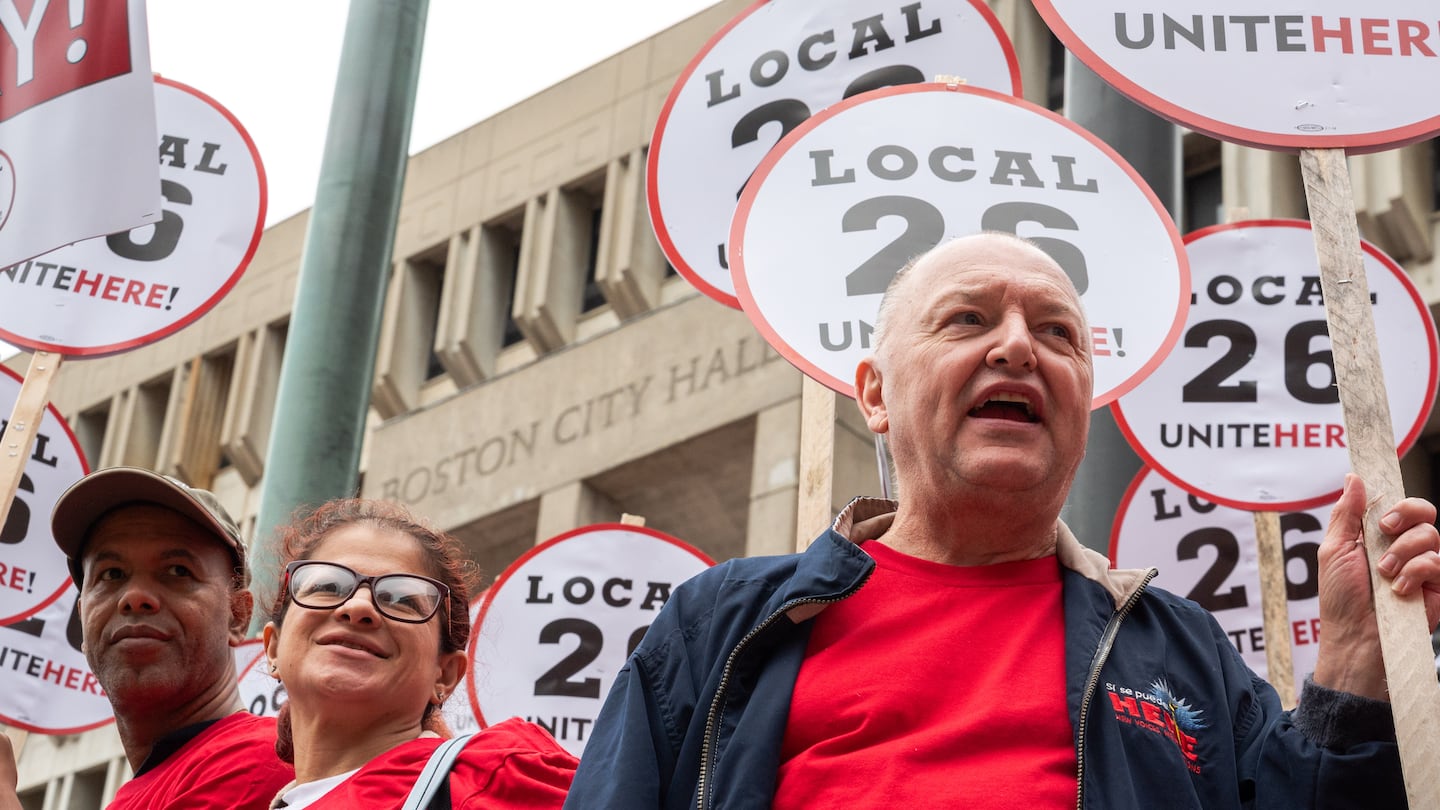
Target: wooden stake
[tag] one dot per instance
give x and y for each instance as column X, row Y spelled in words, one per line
column 1275, row 605
column 817, row 461
column 19, row 435
column 1274, row 600
column 17, row 736
column 1404, row 631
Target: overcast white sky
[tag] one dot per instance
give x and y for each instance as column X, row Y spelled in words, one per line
column 272, row 63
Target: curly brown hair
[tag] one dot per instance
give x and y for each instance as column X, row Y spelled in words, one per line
column 445, row 560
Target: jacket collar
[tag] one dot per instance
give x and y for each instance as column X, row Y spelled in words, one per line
column 869, row 518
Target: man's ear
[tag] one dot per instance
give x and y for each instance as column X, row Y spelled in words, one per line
column 242, row 604
column 870, row 396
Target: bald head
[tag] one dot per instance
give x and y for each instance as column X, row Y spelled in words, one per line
column 961, row 250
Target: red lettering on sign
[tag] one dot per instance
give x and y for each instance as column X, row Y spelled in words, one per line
column 1413, row 34
column 1100, row 345
column 1321, row 33
column 1373, row 37
column 1307, row 631
column 69, row 46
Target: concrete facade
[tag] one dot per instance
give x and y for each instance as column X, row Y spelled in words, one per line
column 540, row 369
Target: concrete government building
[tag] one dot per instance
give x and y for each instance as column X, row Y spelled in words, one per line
column 540, row 365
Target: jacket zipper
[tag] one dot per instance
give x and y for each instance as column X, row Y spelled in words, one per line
column 712, row 720
column 1107, row 640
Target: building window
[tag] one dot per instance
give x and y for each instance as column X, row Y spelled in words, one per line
column 1055, row 75
column 594, row 297
column 149, row 403
column 1204, row 200
column 90, row 429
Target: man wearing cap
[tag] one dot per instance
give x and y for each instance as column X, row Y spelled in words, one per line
column 162, row 578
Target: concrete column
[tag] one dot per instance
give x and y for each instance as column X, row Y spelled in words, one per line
column 571, row 506
column 1266, row 184
column 774, row 480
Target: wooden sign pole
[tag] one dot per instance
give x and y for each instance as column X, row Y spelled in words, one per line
column 1404, row 631
column 817, row 461
column 1274, row 601
column 19, row 434
column 1274, row 604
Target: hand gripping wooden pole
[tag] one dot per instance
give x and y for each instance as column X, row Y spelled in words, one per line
column 1404, row 631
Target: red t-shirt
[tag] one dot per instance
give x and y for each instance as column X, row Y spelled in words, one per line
column 934, row 686
column 229, row 766
column 513, row 764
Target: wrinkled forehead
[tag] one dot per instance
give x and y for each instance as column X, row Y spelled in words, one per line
column 978, row 262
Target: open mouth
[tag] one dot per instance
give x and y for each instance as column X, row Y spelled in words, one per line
column 1008, row 406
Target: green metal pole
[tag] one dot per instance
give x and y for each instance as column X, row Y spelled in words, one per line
column 325, row 380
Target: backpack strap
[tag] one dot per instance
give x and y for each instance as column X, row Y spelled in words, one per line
column 436, row 773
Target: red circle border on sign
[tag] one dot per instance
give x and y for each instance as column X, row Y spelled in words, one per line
column 1408, row 441
column 84, row 470
column 1354, row 143
column 657, row 138
column 160, row 334
column 798, row 360
column 526, row 557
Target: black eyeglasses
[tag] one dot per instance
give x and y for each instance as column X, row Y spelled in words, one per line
column 321, row 585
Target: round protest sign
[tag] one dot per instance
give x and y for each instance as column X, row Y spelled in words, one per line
column 1207, row 553
column 260, row 692
column 1246, row 412
column 45, row 682
column 33, row 572
column 559, row 622
column 856, row 191
column 769, row 69
column 113, row 293
column 1282, row 73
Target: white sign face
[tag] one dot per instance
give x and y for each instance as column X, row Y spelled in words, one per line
column 1207, row 553
column 114, row 293
column 769, row 69
column 45, row 682
column 33, row 572
column 560, row 621
column 855, row 192
column 260, row 692
column 1335, row 74
column 1245, row 411
column 77, row 120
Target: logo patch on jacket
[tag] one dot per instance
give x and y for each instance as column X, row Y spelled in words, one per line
column 1161, row 711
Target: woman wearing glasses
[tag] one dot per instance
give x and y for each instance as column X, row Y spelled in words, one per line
column 368, row 638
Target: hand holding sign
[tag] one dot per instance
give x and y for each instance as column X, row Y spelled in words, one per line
column 1337, row 77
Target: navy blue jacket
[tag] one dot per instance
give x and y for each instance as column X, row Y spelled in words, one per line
column 1166, row 713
